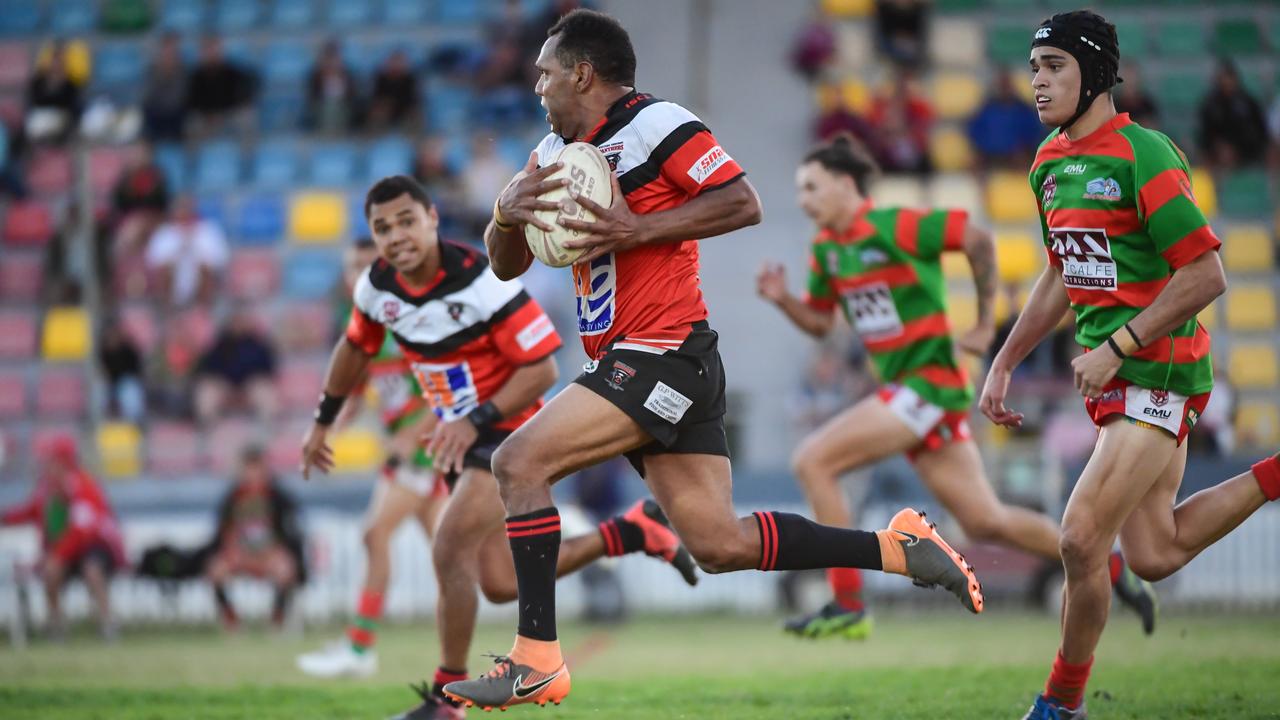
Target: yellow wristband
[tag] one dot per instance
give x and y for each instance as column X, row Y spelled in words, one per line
column 498, row 220
column 1124, row 341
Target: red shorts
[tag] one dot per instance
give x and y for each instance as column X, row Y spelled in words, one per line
column 933, row 425
column 1175, row 414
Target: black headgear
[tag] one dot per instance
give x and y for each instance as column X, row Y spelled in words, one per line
column 1092, row 41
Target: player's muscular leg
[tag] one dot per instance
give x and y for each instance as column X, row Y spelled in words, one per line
column 576, row 429
column 390, row 505
column 860, row 435
column 955, row 476
column 696, row 493
column 1117, row 477
column 473, row 513
column 428, row 513
column 1159, row 539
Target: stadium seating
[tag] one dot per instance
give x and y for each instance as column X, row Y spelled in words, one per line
column 15, row 64
column 956, row 190
column 346, row 15
column 225, row 442
column 309, row 275
column 1132, row 33
column 120, row 449
column 899, row 191
column 20, row 17
column 848, row 8
column 253, row 274
column 1009, row 44
column 21, row 277
column 855, row 47
column 173, row 162
column 962, row 310
column 1258, row 423
column 17, row 335
column 1253, row 365
column 66, row 336
column 1179, row 38
column 105, row 166
column 275, row 166
column 290, row 15
column 235, row 16
column 27, row 223
column 1244, row 194
column 404, row 13
column 173, row 449
column 126, row 16
column 1237, row 36
column 389, row 156
column 1248, row 249
column 217, row 166
column 1009, row 198
column 956, row 43
column 955, row 95
column 287, row 62
column 1251, row 307
column 61, row 393
column 333, row 165
column 1205, row 190
column 49, row 171
column 356, row 450
column 317, row 217
column 299, row 383
column 955, row 267
column 1208, row 317
column 305, row 326
column 13, row 395
column 140, row 325
column 855, row 95
column 1020, row 257
column 119, row 66
column 949, row 149
column 260, row 221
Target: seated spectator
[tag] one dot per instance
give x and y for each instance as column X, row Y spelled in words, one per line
column 1215, row 434
column 122, row 364
column 902, row 119
column 186, row 256
column 238, row 370
column 259, row 536
column 1131, row 97
column 814, row 48
column 1005, row 131
column 394, row 102
column 79, row 535
column 219, row 92
column 331, row 93
column 164, row 100
column 1233, row 130
column 139, row 200
column 433, row 170
column 54, row 100
column 484, row 178
column 900, row 30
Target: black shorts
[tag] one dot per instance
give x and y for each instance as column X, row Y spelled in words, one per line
column 480, row 454
column 98, row 553
column 676, row 396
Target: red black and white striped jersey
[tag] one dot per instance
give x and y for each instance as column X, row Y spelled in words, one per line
column 647, row 298
column 464, row 334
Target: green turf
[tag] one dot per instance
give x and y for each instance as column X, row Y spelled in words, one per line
column 934, row 665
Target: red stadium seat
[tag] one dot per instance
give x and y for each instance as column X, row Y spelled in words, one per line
column 12, row 109
column 140, row 325
column 105, row 166
column 305, row 326
column 61, row 393
column 21, row 277
column 253, row 274
column 17, row 335
column 15, row 64
column 228, row 438
column 285, row 447
column 28, row 223
column 172, row 449
column 300, row 384
column 13, row 396
column 49, row 172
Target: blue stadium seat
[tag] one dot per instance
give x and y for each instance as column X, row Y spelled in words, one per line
column 389, row 156
column 173, row 161
column 73, row 17
column 235, row 15
column 280, row 111
column 344, row 14
column 310, row 274
column 333, row 165
column 448, row 107
column 275, row 165
column 294, row 14
column 217, row 166
column 287, row 62
column 19, row 17
column 260, row 221
column 183, row 15
column 213, row 208
column 463, row 11
column 119, row 65
column 356, row 224
column 515, row 150
column 404, row 13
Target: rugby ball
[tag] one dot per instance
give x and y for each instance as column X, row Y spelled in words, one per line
column 588, row 173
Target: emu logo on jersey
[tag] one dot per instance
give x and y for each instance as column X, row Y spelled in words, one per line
column 1102, row 189
column 1086, row 258
column 596, row 288
column 1075, row 169
column 1048, row 189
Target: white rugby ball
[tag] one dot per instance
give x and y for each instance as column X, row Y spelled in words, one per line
column 588, row 173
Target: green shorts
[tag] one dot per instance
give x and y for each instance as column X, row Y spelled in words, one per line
column 421, row 460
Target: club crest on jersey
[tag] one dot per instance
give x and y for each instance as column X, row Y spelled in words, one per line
column 1186, row 189
column 619, row 375
column 1048, row 189
column 1102, row 189
column 1086, row 258
column 596, row 288
column 613, row 154
column 455, row 311
column 833, row 262
column 872, row 257
column 1159, row 397
column 390, row 310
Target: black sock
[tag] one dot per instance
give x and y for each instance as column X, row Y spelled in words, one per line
column 535, row 548
column 280, row 604
column 224, row 602
column 621, row 536
column 792, row 542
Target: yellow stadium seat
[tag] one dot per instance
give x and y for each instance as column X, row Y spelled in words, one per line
column 956, row 190
column 1248, row 248
column 1253, row 365
column 848, row 8
column 1208, row 317
column 356, row 450
column 957, row 42
column 898, row 191
column 317, row 217
column 120, row 448
column 1205, row 191
column 1258, row 423
column 855, row 96
column 1017, row 256
column 955, row 266
column 962, row 310
column 66, row 334
column 956, row 95
column 1251, row 307
column 1009, row 198
column 950, row 150
column 826, row 97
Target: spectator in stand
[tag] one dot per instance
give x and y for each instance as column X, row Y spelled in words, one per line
column 1233, row 129
column 901, row 120
column 122, row 364
column 238, row 370
column 79, row 535
column 1005, row 131
column 139, row 201
column 394, row 102
column 433, row 170
column 831, row 384
column 186, row 256
column 164, row 101
column 814, row 48
column 900, row 30
column 258, row 535
column 332, row 95
column 1132, row 97
column 54, row 99
column 10, row 179
column 484, row 178
column 219, row 92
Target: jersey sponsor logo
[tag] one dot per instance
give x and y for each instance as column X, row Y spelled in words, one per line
column 619, row 375
column 873, row 256
column 1086, row 258
column 596, row 288
column 705, row 166
column 1048, row 189
column 451, row 389
column 873, row 312
column 1102, row 189
column 1075, row 169
column 1161, row 408
column 667, row 403
column 390, row 310
column 1192, row 418
column 590, row 366
column 534, row 333
column 833, row 262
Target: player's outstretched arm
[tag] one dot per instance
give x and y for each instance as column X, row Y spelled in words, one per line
column 980, row 250
column 347, row 366
column 504, row 239
column 1044, row 310
column 771, row 284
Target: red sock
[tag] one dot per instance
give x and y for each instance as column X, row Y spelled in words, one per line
column 846, row 585
column 363, row 630
column 443, row 677
column 1066, row 682
column 1117, row 567
column 1267, row 473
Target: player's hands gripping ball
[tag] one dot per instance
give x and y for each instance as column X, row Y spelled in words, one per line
column 521, row 198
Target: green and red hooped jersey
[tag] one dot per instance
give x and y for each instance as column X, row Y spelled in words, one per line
column 885, row 272
column 1119, row 218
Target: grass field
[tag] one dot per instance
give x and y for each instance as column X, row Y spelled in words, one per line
column 937, row 665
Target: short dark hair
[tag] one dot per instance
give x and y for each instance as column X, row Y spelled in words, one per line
column 844, row 155
column 391, row 187
column 596, row 38
column 364, row 242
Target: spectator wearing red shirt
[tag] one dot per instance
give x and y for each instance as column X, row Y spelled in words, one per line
column 902, row 118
